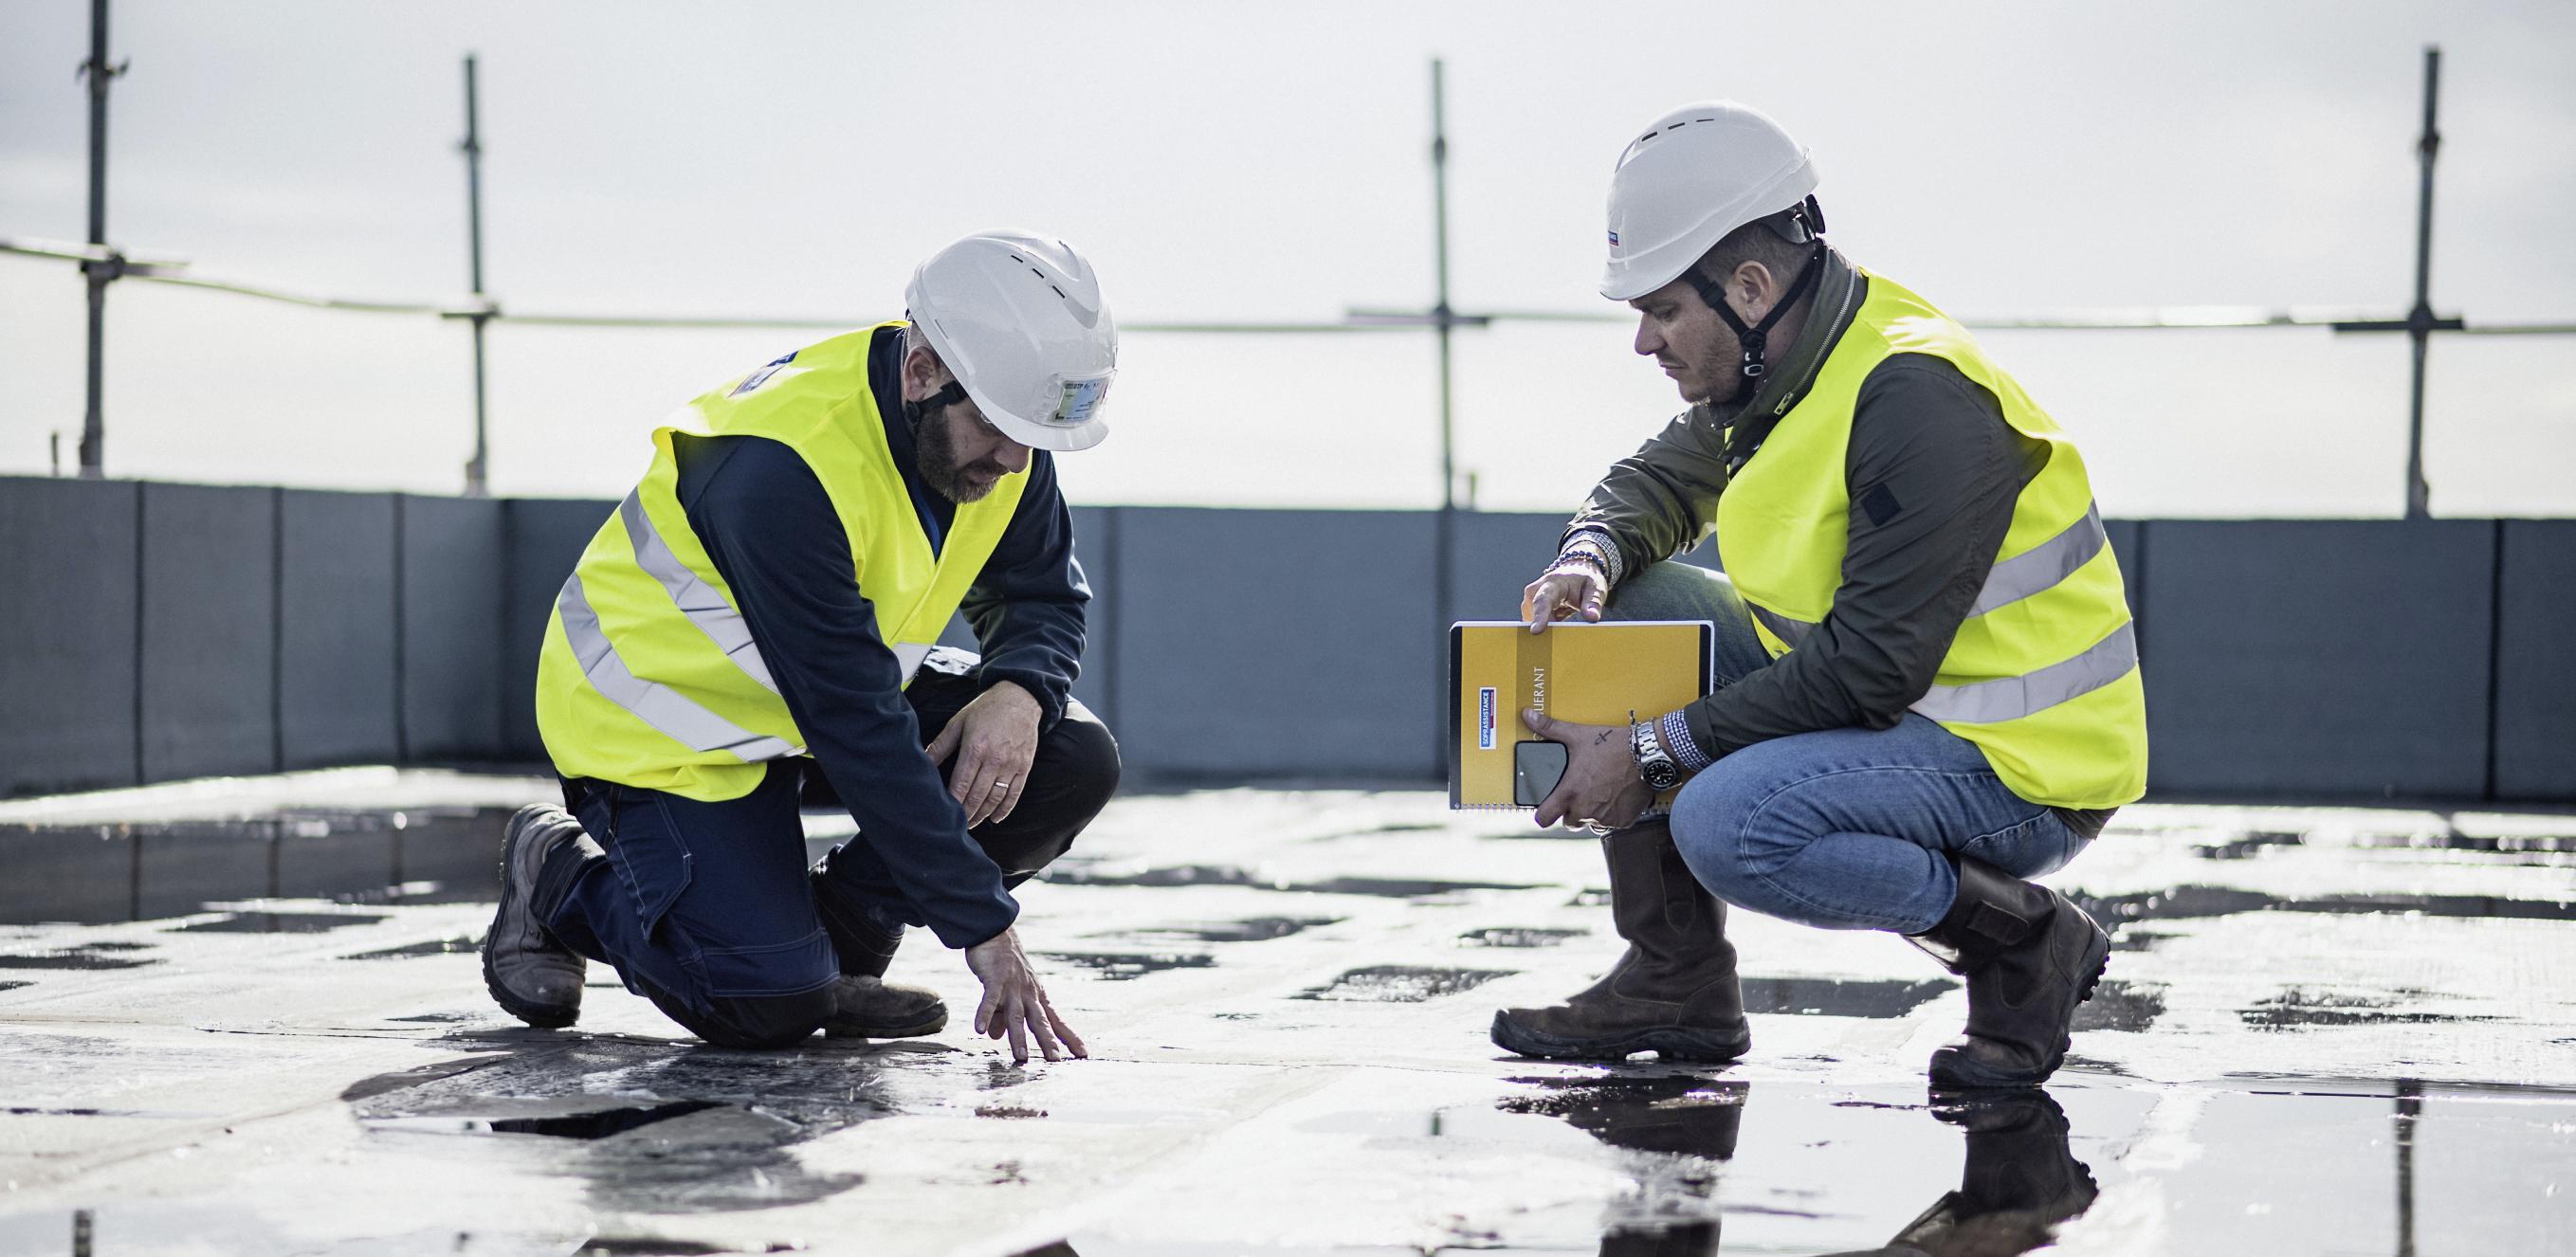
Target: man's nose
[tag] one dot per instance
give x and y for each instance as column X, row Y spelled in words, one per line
column 1648, row 343
column 1013, row 456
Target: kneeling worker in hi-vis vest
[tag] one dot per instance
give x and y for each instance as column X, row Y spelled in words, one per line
column 756, row 626
column 1927, row 687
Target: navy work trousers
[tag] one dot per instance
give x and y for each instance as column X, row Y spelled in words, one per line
column 707, row 910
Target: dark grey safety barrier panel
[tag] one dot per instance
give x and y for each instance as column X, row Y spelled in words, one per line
column 68, row 564
column 161, row 631
column 93, row 874
column 2535, row 650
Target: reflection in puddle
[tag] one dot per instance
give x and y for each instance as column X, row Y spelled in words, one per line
column 1123, row 966
column 2219, row 901
column 2020, row 1180
column 1834, row 997
column 2246, row 844
column 1517, row 936
column 2296, row 1006
column 1686, row 1239
column 434, row 947
column 1402, row 984
column 1251, row 930
column 599, row 1123
column 1220, row 875
column 1675, row 1113
column 2118, row 1005
column 690, row 1130
column 1395, row 888
column 279, row 923
column 1184, row 875
column 88, row 957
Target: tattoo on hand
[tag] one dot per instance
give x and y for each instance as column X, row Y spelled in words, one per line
column 1603, row 736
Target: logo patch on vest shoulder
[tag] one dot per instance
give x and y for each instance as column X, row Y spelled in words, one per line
column 762, row 376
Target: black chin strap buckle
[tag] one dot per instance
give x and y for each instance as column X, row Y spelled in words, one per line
column 1755, row 340
column 915, row 412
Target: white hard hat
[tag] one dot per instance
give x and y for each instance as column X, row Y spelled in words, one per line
column 1699, row 172
column 1018, row 318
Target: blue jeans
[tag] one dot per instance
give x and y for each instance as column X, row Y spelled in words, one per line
column 1844, row 829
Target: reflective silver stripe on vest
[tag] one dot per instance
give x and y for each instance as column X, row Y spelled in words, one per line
column 2011, row 698
column 655, row 704
column 2042, row 567
column 1781, row 626
column 696, row 599
column 2033, row 572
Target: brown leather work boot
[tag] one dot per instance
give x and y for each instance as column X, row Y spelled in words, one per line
column 1674, row 992
column 2030, row 956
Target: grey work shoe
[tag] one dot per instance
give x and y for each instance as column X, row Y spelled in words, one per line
column 1675, row 992
column 2030, row 956
column 533, row 977
column 872, row 1008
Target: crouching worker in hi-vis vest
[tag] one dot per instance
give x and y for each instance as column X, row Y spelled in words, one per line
column 1927, row 688
column 755, row 626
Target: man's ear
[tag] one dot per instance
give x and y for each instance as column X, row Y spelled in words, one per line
column 923, row 373
column 1758, row 287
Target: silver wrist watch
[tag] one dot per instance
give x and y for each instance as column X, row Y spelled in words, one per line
column 1654, row 763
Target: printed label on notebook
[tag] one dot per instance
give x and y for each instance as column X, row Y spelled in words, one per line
column 1485, row 718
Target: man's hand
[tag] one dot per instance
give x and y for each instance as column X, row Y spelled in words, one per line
column 1014, row 1003
column 1601, row 784
column 995, row 740
column 1561, row 593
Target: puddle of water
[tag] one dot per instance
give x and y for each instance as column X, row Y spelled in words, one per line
column 11, row 986
column 600, row 1123
column 1251, row 930
column 2296, row 1006
column 1397, row 888
column 434, row 947
column 1221, row 875
column 1837, row 997
column 689, row 1130
column 1517, row 936
column 279, row 923
column 1675, row 1113
column 1182, row 875
column 445, row 1017
column 2118, row 1005
column 88, row 957
column 1123, row 966
column 2247, row 844
column 2219, row 901
column 1402, row 984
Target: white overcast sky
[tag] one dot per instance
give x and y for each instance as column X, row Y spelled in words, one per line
column 1233, row 161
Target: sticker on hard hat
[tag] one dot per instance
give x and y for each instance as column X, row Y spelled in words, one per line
column 1614, row 237
column 1078, row 400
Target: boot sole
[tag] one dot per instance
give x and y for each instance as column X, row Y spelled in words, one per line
column 1952, row 1071
column 1675, row 1043
column 542, row 1016
column 846, row 1030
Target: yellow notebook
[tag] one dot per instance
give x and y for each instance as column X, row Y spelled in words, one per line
column 1594, row 674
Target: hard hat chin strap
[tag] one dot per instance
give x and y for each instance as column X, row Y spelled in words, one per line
column 1754, row 339
column 915, row 412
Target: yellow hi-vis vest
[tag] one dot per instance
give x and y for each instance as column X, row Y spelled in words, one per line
column 649, row 675
column 2043, row 675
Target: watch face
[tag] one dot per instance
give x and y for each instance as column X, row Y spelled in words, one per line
column 1663, row 774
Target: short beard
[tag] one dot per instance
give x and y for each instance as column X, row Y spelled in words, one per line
column 936, row 459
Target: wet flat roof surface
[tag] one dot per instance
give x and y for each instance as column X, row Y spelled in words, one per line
column 2324, row 1031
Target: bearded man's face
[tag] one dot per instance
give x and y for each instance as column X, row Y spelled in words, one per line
column 962, row 458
